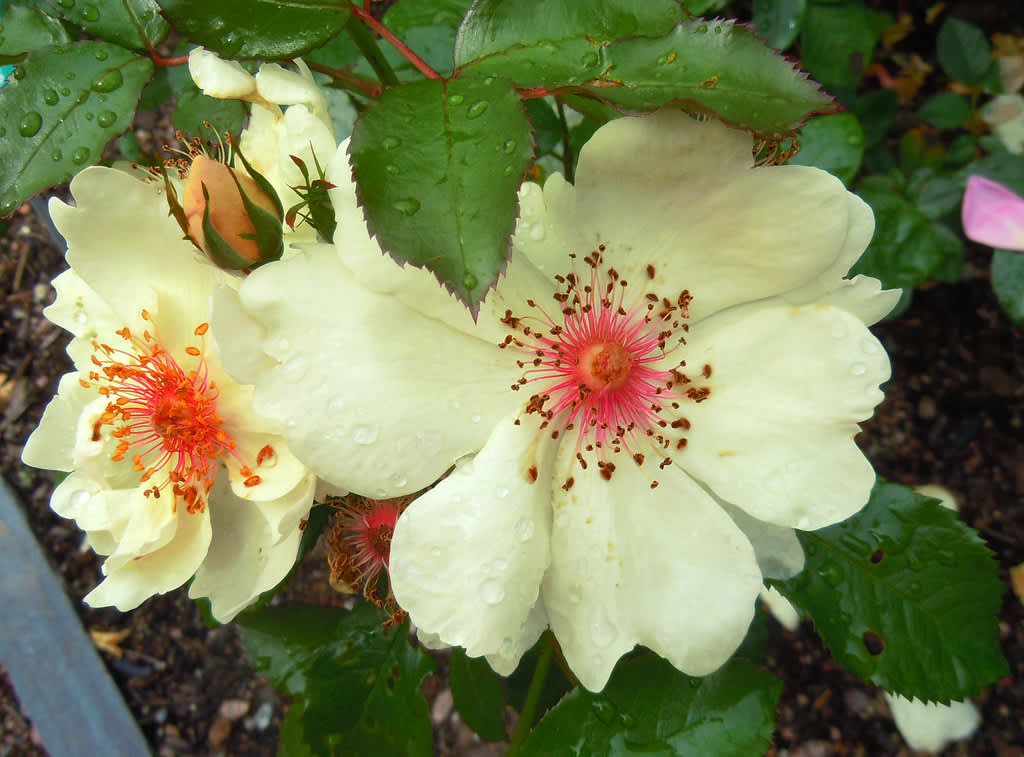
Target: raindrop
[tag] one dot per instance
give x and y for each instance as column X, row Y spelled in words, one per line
column 429, row 442
column 456, row 99
column 66, row 3
column 216, row 24
column 839, row 330
column 80, row 155
column 65, row 91
column 601, row 631
column 106, row 118
column 296, row 368
column 30, row 124
column 575, row 593
column 390, row 143
column 80, row 317
column 832, row 574
column 109, row 81
column 79, row 497
column 510, row 146
column 507, row 171
column 501, row 492
column 476, row 109
column 499, row 565
column 792, row 466
column 50, row 96
column 869, row 347
column 336, row 405
column 283, row 344
column 407, row 205
column 702, row 28
column 465, row 464
column 230, row 44
column 590, row 59
column 69, row 75
column 101, row 55
column 603, row 709
column 537, row 232
column 664, row 60
column 435, row 552
column 7, row 207
column 524, row 529
column 90, row 13
column 391, row 168
column 492, row 592
column 858, row 369
column 365, row 434
column 397, row 480
column 469, row 281
column 475, row 417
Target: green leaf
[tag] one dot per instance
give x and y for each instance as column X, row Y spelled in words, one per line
column 905, row 250
column 953, row 254
column 267, row 29
column 834, row 143
column 649, row 707
column 945, row 110
column 636, row 56
column 906, row 596
column 478, row 695
column 1005, row 168
column 701, row 7
column 428, row 27
column 837, row 42
column 961, row 150
column 437, row 166
column 132, row 23
column 58, row 114
column 357, row 688
column 193, row 109
column 556, row 684
column 778, row 21
column 1008, row 282
column 877, row 112
column 934, row 194
column 964, row 52
column 24, row 29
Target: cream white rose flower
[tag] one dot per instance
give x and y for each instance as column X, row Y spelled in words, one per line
column 666, row 381
column 171, row 473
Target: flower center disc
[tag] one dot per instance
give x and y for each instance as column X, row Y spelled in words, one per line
column 605, row 366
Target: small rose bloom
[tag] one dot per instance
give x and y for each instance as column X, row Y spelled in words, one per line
column 665, row 383
column 171, row 473
column 993, row 215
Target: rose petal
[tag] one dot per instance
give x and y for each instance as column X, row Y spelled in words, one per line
column 993, row 215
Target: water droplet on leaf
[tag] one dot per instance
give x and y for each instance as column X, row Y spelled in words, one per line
column 407, row 205
column 510, row 146
column 106, row 118
column 90, row 13
column 456, row 99
column 30, row 124
column 80, row 155
column 109, row 81
column 470, row 281
column 477, row 109
column 50, row 96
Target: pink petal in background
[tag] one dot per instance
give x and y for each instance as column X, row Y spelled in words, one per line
column 993, row 215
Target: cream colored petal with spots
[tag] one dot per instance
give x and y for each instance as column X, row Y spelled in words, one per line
column 374, row 397
column 467, row 557
column 788, row 387
column 681, row 195
column 156, row 572
column 247, row 555
column 662, row 567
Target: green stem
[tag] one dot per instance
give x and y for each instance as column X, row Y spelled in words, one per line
column 371, row 51
column 540, row 674
column 567, row 157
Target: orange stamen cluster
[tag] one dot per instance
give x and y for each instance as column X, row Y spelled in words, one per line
column 163, row 417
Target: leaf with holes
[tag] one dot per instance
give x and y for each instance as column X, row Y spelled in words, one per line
column 437, row 166
column 61, row 107
column 267, row 29
column 355, row 685
column 906, row 596
column 650, row 707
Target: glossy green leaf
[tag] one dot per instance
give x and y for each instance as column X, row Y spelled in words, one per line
column 834, row 142
column 954, row 253
column 649, row 707
column 905, row 250
column 478, row 695
column 964, row 52
column 59, row 110
column 837, row 42
column 267, row 29
column 24, row 28
column 705, row 66
column 437, row 167
column 961, row 150
column 132, row 23
column 779, row 21
column 1008, row 282
column 701, row 7
column 357, row 686
column 934, row 194
column 906, row 596
column 945, row 110
column 428, row 27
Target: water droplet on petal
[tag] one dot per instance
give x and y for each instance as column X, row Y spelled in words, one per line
column 499, row 565
column 501, row 492
column 537, row 232
column 475, row 417
column 30, row 124
column 56, row 155
column 839, row 330
column 365, row 434
column 601, row 631
column 429, row 442
column 858, row 369
column 492, row 592
column 79, row 497
column 435, row 552
column 524, row 529
column 336, row 405
column 296, row 368
column 575, row 593
column 397, row 480
column 869, row 346
column 80, row 317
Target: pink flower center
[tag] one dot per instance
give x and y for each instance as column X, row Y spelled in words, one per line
column 597, row 365
column 164, row 416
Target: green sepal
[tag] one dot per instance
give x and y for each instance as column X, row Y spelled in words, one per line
column 269, row 235
column 314, row 193
column 217, row 247
column 261, row 182
column 175, row 207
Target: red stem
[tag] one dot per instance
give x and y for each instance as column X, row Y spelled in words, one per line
column 409, row 55
column 370, row 89
column 162, row 62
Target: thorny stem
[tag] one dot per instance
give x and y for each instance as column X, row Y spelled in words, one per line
column 540, row 674
column 347, row 80
column 395, row 42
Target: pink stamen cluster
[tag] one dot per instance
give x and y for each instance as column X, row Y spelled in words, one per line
column 594, row 364
column 165, row 416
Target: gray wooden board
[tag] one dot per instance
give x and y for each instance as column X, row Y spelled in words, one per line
column 57, row 673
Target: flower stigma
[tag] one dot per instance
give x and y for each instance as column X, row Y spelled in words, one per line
column 164, row 416
column 597, row 365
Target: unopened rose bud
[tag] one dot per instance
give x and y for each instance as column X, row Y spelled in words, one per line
column 231, row 216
